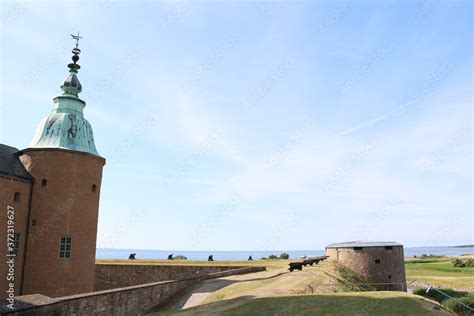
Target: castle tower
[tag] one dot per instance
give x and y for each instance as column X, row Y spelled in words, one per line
column 62, row 228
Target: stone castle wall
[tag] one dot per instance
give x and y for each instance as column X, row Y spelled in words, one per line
column 128, row 301
column 385, row 268
column 110, row 276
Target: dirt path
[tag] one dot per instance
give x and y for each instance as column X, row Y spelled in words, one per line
column 199, row 294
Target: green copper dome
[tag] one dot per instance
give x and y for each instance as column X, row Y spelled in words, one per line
column 66, row 126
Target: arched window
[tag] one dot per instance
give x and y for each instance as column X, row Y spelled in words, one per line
column 17, row 197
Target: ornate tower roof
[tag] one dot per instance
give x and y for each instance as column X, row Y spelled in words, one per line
column 66, row 126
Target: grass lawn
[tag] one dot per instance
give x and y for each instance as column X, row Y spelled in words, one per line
column 440, row 272
column 360, row 303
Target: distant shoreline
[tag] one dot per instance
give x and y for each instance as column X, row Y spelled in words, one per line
column 102, row 253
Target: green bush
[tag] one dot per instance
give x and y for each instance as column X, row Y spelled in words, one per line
column 272, row 257
column 424, row 256
column 437, row 296
column 464, row 297
column 180, row 257
column 284, row 256
column 458, row 308
column 458, row 263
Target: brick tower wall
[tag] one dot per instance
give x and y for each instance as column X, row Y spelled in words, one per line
column 8, row 187
column 66, row 205
column 375, row 264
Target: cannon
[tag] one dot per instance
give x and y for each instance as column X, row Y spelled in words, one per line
column 313, row 260
column 295, row 266
column 305, row 262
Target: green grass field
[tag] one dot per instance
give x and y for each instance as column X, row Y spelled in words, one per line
column 284, row 293
column 360, row 303
column 441, row 273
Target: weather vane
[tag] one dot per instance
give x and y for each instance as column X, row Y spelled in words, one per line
column 77, row 38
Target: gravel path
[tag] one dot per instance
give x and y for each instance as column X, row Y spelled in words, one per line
column 199, row 294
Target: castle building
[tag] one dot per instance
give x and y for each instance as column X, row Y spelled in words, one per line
column 382, row 264
column 49, row 194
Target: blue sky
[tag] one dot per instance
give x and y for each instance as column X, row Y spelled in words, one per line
column 259, row 125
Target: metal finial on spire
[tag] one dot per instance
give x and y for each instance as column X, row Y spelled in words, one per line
column 77, row 38
column 71, row 85
column 76, row 51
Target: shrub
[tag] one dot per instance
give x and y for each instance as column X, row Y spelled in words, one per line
column 284, row 256
column 272, row 257
column 419, row 291
column 180, row 257
column 437, row 296
column 458, row 308
column 351, row 281
column 431, row 256
column 458, row 263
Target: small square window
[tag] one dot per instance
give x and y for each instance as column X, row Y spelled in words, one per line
column 65, row 245
column 94, row 188
column 358, row 248
column 388, row 247
column 17, row 197
column 377, row 260
column 33, row 222
column 44, row 182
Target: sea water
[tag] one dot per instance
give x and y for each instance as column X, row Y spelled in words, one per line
column 106, row 253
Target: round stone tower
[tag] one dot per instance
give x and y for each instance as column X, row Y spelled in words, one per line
column 62, row 158
column 382, row 264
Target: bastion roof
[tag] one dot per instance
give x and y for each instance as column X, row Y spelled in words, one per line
column 10, row 164
column 351, row 244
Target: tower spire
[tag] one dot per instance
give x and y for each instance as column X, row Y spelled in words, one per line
column 71, row 85
column 66, row 126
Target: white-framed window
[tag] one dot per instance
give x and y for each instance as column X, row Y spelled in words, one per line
column 65, row 244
